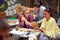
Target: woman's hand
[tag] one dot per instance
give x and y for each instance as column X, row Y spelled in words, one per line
column 26, row 22
column 37, row 28
column 42, row 29
column 23, row 19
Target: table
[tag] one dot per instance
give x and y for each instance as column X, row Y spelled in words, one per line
column 25, row 35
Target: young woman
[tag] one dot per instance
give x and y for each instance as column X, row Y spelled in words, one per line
column 39, row 9
column 25, row 19
column 48, row 26
column 19, row 11
column 28, row 18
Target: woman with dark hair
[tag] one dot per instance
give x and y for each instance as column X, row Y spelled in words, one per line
column 49, row 26
column 39, row 8
column 4, row 30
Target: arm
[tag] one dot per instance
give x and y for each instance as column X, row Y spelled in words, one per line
column 56, row 28
column 37, row 28
column 42, row 28
column 28, row 23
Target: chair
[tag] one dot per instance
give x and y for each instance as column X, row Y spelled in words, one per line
column 58, row 22
column 57, row 37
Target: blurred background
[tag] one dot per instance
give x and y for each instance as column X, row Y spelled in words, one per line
column 54, row 4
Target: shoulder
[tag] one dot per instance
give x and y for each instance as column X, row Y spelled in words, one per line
column 42, row 7
column 52, row 19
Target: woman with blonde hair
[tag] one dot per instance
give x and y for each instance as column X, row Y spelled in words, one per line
column 25, row 19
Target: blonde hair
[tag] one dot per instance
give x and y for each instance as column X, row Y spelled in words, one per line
column 20, row 8
column 26, row 10
column 31, row 10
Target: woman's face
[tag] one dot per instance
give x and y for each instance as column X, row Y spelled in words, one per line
column 26, row 13
column 46, row 14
